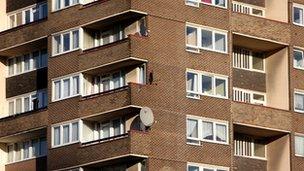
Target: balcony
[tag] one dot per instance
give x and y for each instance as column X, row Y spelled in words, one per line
column 260, row 72
column 25, row 150
column 261, row 149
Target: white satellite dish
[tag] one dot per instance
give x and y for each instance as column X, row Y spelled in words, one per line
column 146, row 116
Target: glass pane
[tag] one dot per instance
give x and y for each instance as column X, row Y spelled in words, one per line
column 116, row 127
column 11, row 108
column 192, row 82
column 66, row 42
column 259, row 149
column 105, row 37
column 57, row 4
column 207, row 39
column 27, row 16
column 36, row 59
column 26, row 150
column 36, row 13
column 17, row 151
column 207, row 169
column 75, row 39
column 75, row 130
column 19, row 65
column 42, row 147
column 193, row 168
column 75, row 85
column 298, row 15
column 192, row 128
column 44, row 58
column 258, row 97
column 207, row 1
column 43, row 11
column 26, row 62
column 208, row 130
column 57, row 90
column 298, row 59
column 19, row 18
column 220, row 87
column 12, row 21
column 106, row 130
column 220, row 3
column 18, row 106
column 57, row 136
column 11, row 66
column 10, row 150
column 221, row 133
column 66, row 134
column 35, row 148
column 299, row 102
column 116, row 80
column 66, row 88
column 191, row 36
column 106, row 85
column 26, row 104
column 57, row 44
column 207, row 84
column 299, row 145
column 258, row 61
column 257, row 12
column 66, row 3
column 220, row 42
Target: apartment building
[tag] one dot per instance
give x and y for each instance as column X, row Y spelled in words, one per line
column 224, row 80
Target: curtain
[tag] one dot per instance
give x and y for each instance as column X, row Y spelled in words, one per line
column 66, row 88
column 192, row 128
column 221, row 133
column 191, row 36
column 208, row 130
column 192, row 82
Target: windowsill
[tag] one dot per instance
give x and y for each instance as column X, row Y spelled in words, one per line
column 194, row 144
column 298, row 111
column 297, row 24
column 252, row 157
column 24, row 160
column 63, row 53
column 99, row 141
column 25, row 72
column 64, row 8
column 299, row 68
column 23, row 25
column 299, row 155
column 200, row 50
column 214, row 142
column 63, row 145
column 24, row 113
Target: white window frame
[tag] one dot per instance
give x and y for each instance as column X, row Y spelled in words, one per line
column 300, row 92
column 193, row 3
column 301, row 6
column 38, row 93
column 206, row 166
column 214, row 77
column 253, row 156
column 63, row 6
column 31, row 63
column 60, row 125
column 60, row 34
column 31, row 156
column 302, row 52
column 298, row 135
column 70, row 77
column 188, row 2
column 199, row 38
column 200, row 130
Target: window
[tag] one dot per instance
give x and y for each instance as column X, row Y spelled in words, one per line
column 248, row 9
column 65, row 42
column 298, row 61
column 27, row 15
column 194, row 3
column 203, row 167
column 299, row 145
column 218, row 3
column 298, row 14
column 65, row 134
column 108, row 36
column 203, row 129
column 200, row 37
column 66, row 87
column 208, row 84
column 61, row 4
column 108, row 129
column 249, row 147
column 26, row 149
column 299, row 101
column 27, row 102
column 27, row 62
column 248, row 60
column 249, row 96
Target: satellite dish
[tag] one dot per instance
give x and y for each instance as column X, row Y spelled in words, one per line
column 146, row 116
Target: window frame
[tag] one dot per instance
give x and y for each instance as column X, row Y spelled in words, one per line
column 200, row 130
column 201, row 2
column 71, row 41
column 300, row 92
column 200, row 88
column 251, row 92
column 302, row 52
column 70, row 126
column 71, row 86
column 252, row 149
column 62, row 5
column 301, row 136
column 199, row 47
column 206, row 166
column 301, row 6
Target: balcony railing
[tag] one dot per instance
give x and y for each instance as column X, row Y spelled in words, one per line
column 248, row 9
